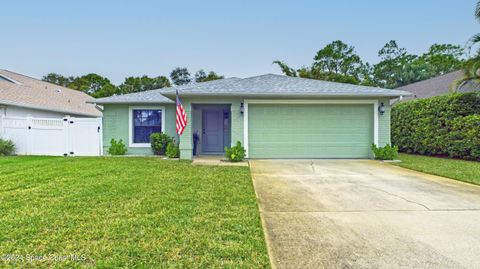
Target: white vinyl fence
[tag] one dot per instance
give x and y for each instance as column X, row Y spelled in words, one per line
column 59, row 137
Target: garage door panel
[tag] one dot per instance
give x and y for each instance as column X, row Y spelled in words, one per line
column 310, row 131
column 302, row 151
column 323, row 139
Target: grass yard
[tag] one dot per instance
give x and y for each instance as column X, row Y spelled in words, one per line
column 127, row 212
column 468, row 171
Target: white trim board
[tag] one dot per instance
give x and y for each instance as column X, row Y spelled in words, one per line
column 11, row 103
column 246, row 102
column 130, row 124
column 302, row 101
column 245, row 126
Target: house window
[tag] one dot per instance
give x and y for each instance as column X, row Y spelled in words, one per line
column 144, row 122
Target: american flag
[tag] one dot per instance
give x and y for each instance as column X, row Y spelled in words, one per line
column 181, row 121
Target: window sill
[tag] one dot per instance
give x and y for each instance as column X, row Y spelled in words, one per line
column 139, row 145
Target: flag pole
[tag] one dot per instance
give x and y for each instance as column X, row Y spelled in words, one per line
column 176, row 112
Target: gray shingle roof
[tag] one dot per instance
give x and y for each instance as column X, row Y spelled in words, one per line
column 280, row 85
column 156, row 96
column 269, row 85
column 153, row 96
column 438, row 85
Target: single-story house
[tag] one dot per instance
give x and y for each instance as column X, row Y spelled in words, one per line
column 22, row 96
column 437, row 86
column 273, row 116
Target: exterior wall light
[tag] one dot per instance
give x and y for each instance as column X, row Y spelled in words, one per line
column 381, row 109
column 242, row 109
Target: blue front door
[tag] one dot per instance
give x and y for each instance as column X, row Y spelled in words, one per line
column 212, row 130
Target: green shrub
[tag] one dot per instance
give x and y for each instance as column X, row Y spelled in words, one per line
column 7, row 147
column 385, row 153
column 172, row 150
column 464, row 137
column 159, row 142
column 443, row 125
column 236, row 153
column 117, row 147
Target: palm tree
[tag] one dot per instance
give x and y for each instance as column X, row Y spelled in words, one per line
column 476, row 38
column 472, row 65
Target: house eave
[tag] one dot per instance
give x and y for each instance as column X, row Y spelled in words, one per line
column 130, row 102
column 293, row 95
column 66, row 111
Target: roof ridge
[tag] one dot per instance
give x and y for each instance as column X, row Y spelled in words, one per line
column 318, row 80
column 194, row 83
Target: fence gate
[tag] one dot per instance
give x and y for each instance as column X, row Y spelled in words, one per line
column 58, row 137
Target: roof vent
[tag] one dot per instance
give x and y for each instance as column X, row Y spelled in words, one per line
column 58, row 91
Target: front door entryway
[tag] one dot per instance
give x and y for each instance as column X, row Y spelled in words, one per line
column 211, row 124
column 212, row 130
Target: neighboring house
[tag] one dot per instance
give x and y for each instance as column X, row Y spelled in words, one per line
column 22, row 95
column 273, row 116
column 46, row 119
column 438, row 86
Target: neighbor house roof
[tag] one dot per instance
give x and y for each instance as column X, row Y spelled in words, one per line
column 24, row 91
column 269, row 85
column 438, row 85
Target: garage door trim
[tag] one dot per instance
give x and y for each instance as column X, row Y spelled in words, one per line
column 373, row 102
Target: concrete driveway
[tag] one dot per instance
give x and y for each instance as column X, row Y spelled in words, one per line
column 365, row 214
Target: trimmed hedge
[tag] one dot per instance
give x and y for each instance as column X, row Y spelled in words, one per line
column 464, row 137
column 447, row 125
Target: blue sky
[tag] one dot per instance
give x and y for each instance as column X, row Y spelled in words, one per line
column 235, row 38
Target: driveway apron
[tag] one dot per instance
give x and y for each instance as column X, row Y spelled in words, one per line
column 365, row 214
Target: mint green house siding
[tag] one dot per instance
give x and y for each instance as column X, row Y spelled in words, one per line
column 384, row 124
column 116, row 125
column 237, row 123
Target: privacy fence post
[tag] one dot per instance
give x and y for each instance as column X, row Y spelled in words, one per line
column 2, row 119
column 29, row 134
column 66, row 123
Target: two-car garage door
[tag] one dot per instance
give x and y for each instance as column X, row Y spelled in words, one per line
column 310, row 130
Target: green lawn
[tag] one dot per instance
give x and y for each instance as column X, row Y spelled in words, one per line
column 468, row 171
column 128, row 212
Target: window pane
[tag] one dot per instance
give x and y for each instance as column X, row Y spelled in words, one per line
column 146, row 122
